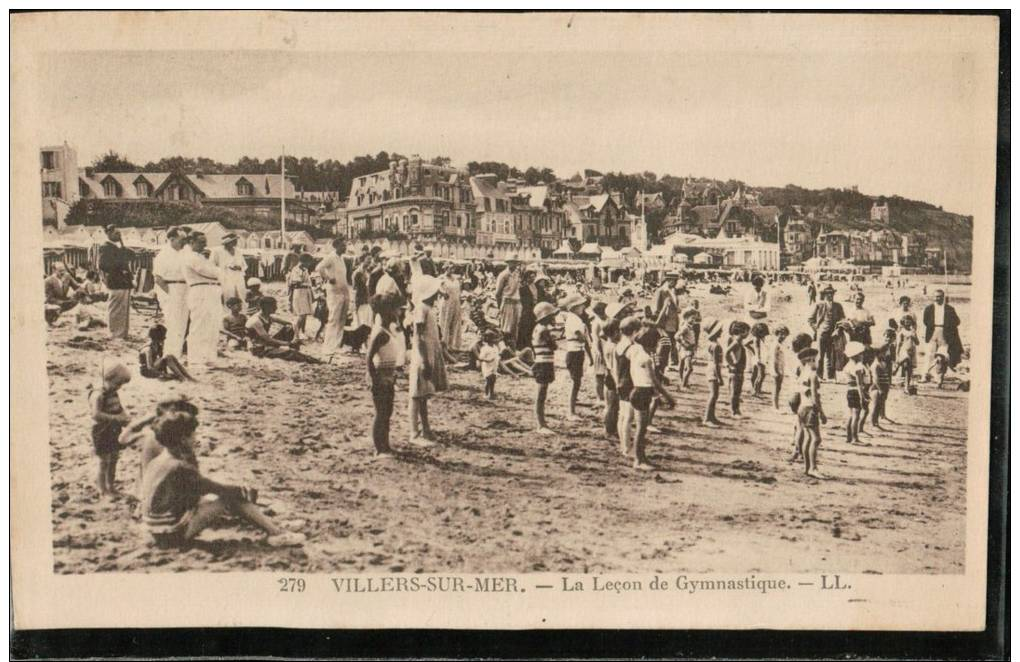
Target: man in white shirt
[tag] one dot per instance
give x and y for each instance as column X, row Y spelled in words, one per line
column 333, row 271
column 172, row 291
column 204, row 307
column 232, row 268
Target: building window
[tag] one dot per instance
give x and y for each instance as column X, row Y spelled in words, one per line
column 245, row 189
column 143, row 189
column 49, row 160
column 111, row 189
column 414, row 220
column 51, row 189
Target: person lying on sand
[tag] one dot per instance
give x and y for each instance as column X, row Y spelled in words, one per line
column 178, row 502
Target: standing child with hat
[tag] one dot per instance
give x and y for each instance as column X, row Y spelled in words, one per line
column 427, row 369
column 810, row 414
column 713, row 329
column 385, row 355
column 598, row 323
column 488, row 361
column 759, row 331
column 544, row 346
column 855, row 372
column 687, row 340
column 299, row 280
column 610, row 337
column 647, row 391
column 108, row 420
column 736, row 362
column 575, row 335
column 800, row 342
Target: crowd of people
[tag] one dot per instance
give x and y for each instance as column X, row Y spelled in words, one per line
column 414, row 316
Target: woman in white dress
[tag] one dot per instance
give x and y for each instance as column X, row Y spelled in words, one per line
column 450, row 318
column 299, row 280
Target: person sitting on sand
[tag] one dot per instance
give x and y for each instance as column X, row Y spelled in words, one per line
column 154, row 365
column 235, row 324
column 178, row 502
column 384, row 357
column 253, row 296
column 279, row 345
column 108, row 421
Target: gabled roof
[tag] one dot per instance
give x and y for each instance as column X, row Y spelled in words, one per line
column 225, row 186
column 125, row 180
column 538, row 195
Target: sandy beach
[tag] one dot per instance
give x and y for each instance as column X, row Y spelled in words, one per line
column 493, row 496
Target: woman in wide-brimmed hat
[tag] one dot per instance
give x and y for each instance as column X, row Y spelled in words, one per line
column 427, row 375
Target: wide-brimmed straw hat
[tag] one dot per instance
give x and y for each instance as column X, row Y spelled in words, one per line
column 808, row 353
column 253, row 281
column 426, row 286
column 712, row 328
column 854, row 349
column 544, row 309
column 572, row 301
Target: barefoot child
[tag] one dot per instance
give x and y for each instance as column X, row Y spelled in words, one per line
column 488, row 361
column 647, row 389
column 178, row 502
column 800, row 342
column 427, row 374
column 610, row 337
column 687, row 341
column 598, row 322
column 385, row 355
column 153, row 365
column 624, row 382
column 777, row 363
column 544, row 346
column 756, row 345
column 575, row 341
column 906, row 350
column 108, row 420
column 713, row 329
column 299, row 282
column 810, row 414
column 736, row 363
column 854, row 372
column 881, row 377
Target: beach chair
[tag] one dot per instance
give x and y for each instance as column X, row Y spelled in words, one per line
column 143, row 297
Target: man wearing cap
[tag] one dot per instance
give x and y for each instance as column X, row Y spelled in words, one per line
column 115, row 265
column 757, row 301
column 333, row 271
column 941, row 332
column 824, row 318
column 425, row 263
column 232, row 267
column 172, row 291
column 204, row 307
column 508, row 299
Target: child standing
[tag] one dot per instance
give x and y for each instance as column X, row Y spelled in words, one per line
column 687, row 341
column 777, row 363
column 385, row 356
column 759, row 332
column 544, row 346
column 881, row 377
column 575, row 336
column 855, row 374
column 299, row 280
column 736, row 362
column 488, row 360
column 598, row 322
column 108, row 420
column 906, row 350
column 610, row 337
column 647, row 389
column 800, row 342
column 624, row 382
column 713, row 329
column 427, row 374
column 810, row 414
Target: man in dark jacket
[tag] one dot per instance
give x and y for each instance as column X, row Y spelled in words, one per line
column 942, row 331
column 824, row 318
column 115, row 265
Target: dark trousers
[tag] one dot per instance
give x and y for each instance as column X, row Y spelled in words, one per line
column 490, row 386
column 612, row 415
column 826, row 355
column 382, row 398
column 736, row 385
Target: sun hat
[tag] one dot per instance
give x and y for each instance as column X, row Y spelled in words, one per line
column 544, row 309
column 618, row 310
column 253, row 281
column 116, row 371
column 572, row 301
column 712, row 328
column 854, row 349
column 807, row 353
column 426, row 286
column 229, row 238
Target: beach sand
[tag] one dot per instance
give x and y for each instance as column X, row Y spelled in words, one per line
column 493, row 496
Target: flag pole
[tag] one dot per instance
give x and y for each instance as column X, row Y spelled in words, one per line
column 283, row 198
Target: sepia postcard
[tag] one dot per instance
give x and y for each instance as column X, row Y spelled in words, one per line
column 501, row 320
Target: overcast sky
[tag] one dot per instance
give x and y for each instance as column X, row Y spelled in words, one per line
column 891, row 123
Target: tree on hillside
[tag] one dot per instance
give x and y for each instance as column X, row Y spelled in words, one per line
column 113, row 162
column 539, row 176
column 443, row 161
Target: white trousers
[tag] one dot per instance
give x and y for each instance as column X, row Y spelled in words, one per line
column 337, row 304
column 175, row 313
column 206, row 318
column 938, row 345
column 233, row 285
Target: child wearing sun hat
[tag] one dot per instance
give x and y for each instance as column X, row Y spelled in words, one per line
column 575, row 340
column 810, row 415
column 856, row 374
column 712, row 329
column 544, row 346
